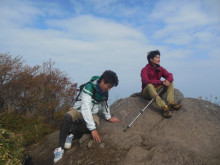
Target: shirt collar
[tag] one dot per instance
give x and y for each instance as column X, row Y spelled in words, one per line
column 98, row 88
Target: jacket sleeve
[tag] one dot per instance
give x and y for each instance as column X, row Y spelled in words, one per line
column 105, row 110
column 145, row 78
column 168, row 76
column 86, row 110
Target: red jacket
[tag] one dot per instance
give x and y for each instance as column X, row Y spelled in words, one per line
column 151, row 75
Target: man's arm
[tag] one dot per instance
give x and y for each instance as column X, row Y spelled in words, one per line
column 168, row 76
column 107, row 114
column 86, row 106
column 106, row 110
column 96, row 136
column 166, row 83
column 87, row 116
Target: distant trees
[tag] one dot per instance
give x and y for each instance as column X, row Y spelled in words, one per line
column 39, row 89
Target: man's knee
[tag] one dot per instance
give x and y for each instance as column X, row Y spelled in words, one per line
column 67, row 118
column 75, row 114
column 150, row 87
column 171, row 84
column 147, row 90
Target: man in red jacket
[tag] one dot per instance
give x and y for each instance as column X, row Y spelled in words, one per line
column 151, row 83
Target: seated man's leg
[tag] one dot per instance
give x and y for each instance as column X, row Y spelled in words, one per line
column 170, row 93
column 145, row 93
column 170, row 98
column 150, row 92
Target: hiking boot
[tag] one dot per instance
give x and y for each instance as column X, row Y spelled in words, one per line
column 58, row 154
column 166, row 111
column 167, row 114
column 174, row 106
column 68, row 141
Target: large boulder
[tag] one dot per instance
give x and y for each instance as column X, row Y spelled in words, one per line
column 191, row 136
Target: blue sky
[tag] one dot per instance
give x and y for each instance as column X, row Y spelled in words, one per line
column 86, row 37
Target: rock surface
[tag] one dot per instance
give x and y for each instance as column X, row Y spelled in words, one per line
column 191, row 136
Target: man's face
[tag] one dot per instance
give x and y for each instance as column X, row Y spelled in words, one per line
column 105, row 86
column 156, row 60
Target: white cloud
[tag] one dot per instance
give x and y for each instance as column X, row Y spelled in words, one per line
column 180, row 38
column 89, row 27
column 205, row 36
column 183, row 13
column 182, row 19
column 111, row 8
column 84, row 44
column 15, row 13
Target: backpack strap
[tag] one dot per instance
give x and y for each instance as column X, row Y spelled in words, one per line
column 80, row 90
column 93, row 93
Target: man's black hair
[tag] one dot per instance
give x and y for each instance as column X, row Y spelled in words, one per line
column 109, row 77
column 152, row 54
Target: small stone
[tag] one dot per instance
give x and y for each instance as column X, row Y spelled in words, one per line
column 84, row 138
column 102, row 145
column 90, row 143
column 79, row 162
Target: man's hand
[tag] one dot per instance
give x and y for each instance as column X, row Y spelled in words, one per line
column 166, row 83
column 113, row 120
column 96, row 136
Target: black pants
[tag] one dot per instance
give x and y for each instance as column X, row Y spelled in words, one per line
column 68, row 126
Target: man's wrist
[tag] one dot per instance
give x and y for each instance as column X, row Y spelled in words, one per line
column 92, row 130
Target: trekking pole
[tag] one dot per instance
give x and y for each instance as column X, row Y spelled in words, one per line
column 143, row 110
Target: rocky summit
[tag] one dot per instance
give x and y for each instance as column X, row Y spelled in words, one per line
column 190, row 137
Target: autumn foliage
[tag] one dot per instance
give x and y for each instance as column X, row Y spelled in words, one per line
column 42, row 90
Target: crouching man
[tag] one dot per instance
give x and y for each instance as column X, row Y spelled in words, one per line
column 83, row 118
